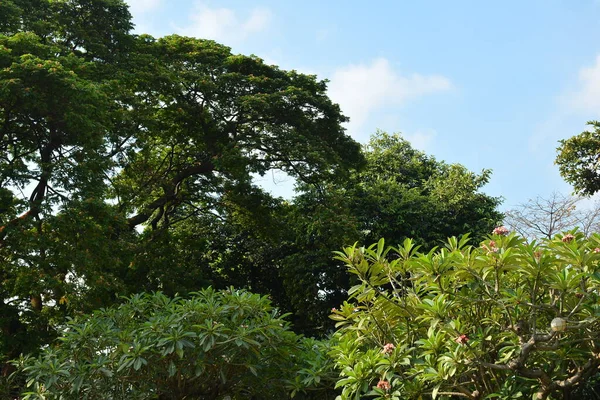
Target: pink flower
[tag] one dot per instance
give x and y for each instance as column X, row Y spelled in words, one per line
column 597, row 250
column 333, row 309
column 500, row 230
column 462, row 339
column 388, row 349
column 384, row 385
column 568, row 238
column 492, row 247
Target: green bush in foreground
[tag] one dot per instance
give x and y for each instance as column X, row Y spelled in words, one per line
column 215, row 345
column 472, row 322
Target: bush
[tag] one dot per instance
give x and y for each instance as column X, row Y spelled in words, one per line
column 215, row 345
column 471, row 322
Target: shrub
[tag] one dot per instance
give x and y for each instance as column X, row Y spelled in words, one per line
column 471, row 322
column 214, row 345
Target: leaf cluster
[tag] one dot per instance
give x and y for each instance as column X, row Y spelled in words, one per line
column 470, row 321
column 211, row 345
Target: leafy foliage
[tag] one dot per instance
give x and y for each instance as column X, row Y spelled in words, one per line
column 210, row 346
column 577, row 160
column 399, row 193
column 112, row 143
column 403, row 193
column 284, row 248
column 127, row 165
column 470, row 322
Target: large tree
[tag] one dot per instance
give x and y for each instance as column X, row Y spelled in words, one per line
column 111, row 142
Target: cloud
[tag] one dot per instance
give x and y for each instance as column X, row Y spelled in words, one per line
column 137, row 7
column 587, row 97
column 224, row 25
column 422, row 140
column 363, row 88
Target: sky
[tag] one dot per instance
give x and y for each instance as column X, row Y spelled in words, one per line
column 487, row 84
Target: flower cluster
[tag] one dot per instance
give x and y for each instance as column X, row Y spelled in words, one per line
column 462, row 339
column 597, row 250
column 500, row 230
column 568, row 238
column 492, row 248
column 388, row 349
column 384, row 385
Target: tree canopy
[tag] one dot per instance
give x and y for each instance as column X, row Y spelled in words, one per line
column 404, row 193
column 109, row 141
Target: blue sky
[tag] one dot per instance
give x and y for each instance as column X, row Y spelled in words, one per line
column 485, row 84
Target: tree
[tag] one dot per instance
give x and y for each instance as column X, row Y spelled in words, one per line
column 544, row 218
column 505, row 319
column 578, row 160
column 110, row 143
column 213, row 345
column 403, row 193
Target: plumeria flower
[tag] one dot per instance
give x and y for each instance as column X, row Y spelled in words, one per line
column 388, row 349
column 492, row 248
column 384, row 385
column 462, row 339
column 500, row 230
column 568, row 238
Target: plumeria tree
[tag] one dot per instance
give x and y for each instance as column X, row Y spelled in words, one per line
column 228, row 344
column 500, row 320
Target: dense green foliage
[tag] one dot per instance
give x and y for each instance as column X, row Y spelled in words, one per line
column 110, row 143
column 399, row 193
column 578, row 160
column 210, row 346
column 403, row 193
column 471, row 321
column 128, row 165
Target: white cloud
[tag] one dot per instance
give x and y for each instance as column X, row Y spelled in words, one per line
column 362, row 89
column 587, row 97
column 224, row 25
column 422, row 140
column 137, row 7
column 259, row 19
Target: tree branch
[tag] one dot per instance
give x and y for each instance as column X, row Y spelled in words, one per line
column 169, row 192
